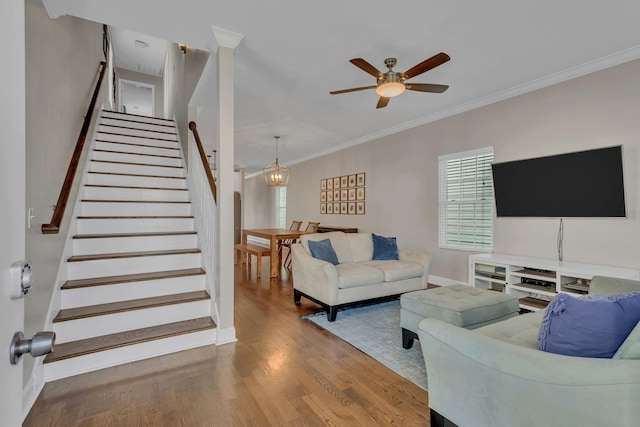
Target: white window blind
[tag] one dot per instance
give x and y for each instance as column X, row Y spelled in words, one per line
column 465, row 214
column 281, row 207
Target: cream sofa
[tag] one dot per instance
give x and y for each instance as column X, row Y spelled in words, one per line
column 496, row 376
column 357, row 277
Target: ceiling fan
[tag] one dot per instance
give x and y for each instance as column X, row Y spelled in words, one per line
column 392, row 83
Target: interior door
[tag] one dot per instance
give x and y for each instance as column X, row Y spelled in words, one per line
column 12, row 200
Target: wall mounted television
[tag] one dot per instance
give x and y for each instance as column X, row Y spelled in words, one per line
column 580, row 184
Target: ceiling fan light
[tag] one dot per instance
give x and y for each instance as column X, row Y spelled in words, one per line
column 390, row 89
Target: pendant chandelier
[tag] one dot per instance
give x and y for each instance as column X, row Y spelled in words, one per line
column 276, row 175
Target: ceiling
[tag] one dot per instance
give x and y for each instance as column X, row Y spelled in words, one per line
column 295, row 52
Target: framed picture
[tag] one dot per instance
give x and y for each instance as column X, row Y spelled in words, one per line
column 329, row 208
column 323, row 196
column 344, row 181
column 336, row 195
column 323, row 184
column 360, row 181
column 352, row 208
column 329, row 196
column 336, row 208
column 344, row 209
column 352, row 180
column 336, row 182
column 323, row 208
column 360, row 193
column 344, row 195
column 359, row 208
column 330, row 184
column 352, row 194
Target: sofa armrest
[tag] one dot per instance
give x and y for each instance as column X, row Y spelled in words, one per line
column 314, row 277
column 602, row 285
column 477, row 380
column 419, row 257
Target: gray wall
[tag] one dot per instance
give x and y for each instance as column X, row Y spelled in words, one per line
column 597, row 110
column 62, row 58
column 259, row 204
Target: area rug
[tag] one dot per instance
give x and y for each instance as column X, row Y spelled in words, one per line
column 375, row 330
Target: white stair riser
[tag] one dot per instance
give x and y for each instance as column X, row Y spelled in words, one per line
column 110, row 245
column 136, row 158
column 136, row 169
column 139, row 181
column 137, row 125
column 139, row 194
column 96, row 326
column 137, row 148
column 133, row 118
column 133, row 225
column 157, row 142
column 134, row 209
column 118, row 356
column 138, row 132
column 94, row 295
column 135, row 265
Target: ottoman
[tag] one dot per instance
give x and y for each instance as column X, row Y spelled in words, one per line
column 459, row 305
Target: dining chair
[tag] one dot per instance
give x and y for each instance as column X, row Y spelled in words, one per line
column 312, row 227
column 295, row 225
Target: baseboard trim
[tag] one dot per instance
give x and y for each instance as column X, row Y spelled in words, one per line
column 226, row 336
column 443, row 281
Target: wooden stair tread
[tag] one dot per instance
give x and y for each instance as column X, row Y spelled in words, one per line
column 122, row 339
column 137, row 115
column 137, row 175
column 131, row 201
column 145, row 234
column 137, row 136
column 129, row 305
column 164, row 156
column 140, row 277
column 117, row 255
column 134, row 187
column 133, row 144
column 137, row 217
column 136, row 121
column 136, row 164
column 138, row 129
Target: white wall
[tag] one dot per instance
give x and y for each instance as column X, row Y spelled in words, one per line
column 156, row 82
column 62, row 59
column 592, row 111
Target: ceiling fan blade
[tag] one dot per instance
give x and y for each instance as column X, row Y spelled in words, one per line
column 354, row 89
column 427, row 65
column 365, row 66
column 382, row 102
column 425, row 87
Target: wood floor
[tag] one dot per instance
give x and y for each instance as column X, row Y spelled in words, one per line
column 283, row 371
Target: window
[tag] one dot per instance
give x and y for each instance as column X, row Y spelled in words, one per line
column 465, row 214
column 281, row 207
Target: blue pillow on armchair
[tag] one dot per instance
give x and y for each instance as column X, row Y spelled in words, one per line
column 590, row 326
column 323, row 250
column 384, row 248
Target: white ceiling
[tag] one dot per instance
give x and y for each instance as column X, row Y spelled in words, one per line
column 295, row 52
column 138, row 52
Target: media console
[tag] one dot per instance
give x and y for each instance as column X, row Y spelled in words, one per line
column 536, row 280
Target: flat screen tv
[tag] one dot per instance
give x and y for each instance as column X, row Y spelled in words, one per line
column 581, row 184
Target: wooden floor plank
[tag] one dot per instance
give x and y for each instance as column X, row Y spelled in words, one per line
column 282, row 371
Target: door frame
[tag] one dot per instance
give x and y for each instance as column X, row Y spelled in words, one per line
column 141, row 84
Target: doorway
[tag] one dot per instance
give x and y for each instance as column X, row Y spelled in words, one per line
column 136, row 97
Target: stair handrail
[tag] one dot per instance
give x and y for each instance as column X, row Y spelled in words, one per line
column 203, row 157
column 61, row 205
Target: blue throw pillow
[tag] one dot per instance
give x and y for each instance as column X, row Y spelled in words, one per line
column 384, row 248
column 323, row 250
column 590, row 326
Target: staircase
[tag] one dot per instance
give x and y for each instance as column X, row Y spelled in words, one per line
column 135, row 283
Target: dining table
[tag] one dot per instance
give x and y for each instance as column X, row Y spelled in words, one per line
column 274, row 235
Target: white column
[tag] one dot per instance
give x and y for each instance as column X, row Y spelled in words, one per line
column 227, row 42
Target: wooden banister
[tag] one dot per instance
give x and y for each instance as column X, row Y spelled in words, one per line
column 58, row 213
column 203, row 157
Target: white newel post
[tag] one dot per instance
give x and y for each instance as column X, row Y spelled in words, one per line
column 227, row 42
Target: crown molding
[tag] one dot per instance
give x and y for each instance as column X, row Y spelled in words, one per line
column 224, row 38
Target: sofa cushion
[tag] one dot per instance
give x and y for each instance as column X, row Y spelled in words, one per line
column 361, row 246
column 338, row 242
column 351, row 275
column 384, row 248
column 323, row 250
column 520, row 330
column 630, row 348
column 590, row 326
column 396, row 270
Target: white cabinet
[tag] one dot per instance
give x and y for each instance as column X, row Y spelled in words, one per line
column 535, row 280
